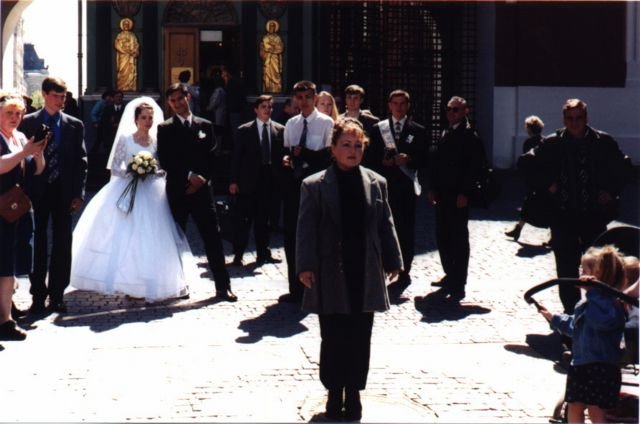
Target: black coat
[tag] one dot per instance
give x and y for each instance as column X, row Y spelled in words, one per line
column 72, row 152
column 247, row 155
column 183, row 150
column 413, row 142
column 456, row 161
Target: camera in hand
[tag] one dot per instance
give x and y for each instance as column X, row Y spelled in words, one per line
column 390, row 153
column 42, row 133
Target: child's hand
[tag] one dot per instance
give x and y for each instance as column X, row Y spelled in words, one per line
column 544, row 312
column 586, row 278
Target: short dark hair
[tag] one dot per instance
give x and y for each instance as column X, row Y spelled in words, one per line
column 396, row 93
column 304, row 85
column 262, row 98
column 354, row 89
column 53, row 84
column 177, row 87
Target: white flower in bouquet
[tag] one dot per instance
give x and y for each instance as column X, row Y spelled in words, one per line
column 141, row 171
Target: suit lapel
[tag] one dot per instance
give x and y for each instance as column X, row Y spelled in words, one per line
column 329, row 196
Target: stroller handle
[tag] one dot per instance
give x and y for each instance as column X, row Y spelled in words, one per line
column 576, row 282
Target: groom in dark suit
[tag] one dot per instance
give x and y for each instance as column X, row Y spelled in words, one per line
column 58, row 193
column 256, row 165
column 185, row 149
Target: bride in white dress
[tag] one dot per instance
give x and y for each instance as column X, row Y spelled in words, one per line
column 141, row 253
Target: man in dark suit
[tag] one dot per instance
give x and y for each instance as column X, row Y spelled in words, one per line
column 398, row 150
column 58, row 193
column 455, row 162
column 110, row 119
column 257, row 161
column 185, row 149
column 353, row 99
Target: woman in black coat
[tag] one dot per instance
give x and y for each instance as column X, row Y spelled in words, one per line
column 534, row 126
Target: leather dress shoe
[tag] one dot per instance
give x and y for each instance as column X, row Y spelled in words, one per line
column 226, row 295
column 37, row 307
column 17, row 313
column 10, row 331
column 59, row 307
column 333, row 409
column 267, row 260
column 289, row 298
column 237, row 261
column 440, row 283
column 515, row 232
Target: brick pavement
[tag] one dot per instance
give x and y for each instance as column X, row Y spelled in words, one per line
column 116, row 359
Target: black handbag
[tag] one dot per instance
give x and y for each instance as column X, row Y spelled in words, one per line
column 537, row 209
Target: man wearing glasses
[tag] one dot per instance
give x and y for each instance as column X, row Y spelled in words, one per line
column 455, row 161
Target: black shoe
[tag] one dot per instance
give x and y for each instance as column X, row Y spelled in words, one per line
column 440, row 283
column 37, row 307
column 10, row 331
column 290, row 298
column 333, row 410
column 59, row 307
column 237, row 261
column 352, row 405
column 267, row 260
column 226, row 295
column 515, row 233
column 17, row 313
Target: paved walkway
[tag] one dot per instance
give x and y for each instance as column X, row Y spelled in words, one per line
column 116, row 359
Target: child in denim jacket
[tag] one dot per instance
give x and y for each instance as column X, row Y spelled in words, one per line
column 596, row 327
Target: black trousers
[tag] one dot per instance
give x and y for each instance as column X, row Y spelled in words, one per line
column 51, row 206
column 452, row 237
column 202, row 209
column 345, row 350
column 402, row 200
column 571, row 236
column 291, row 197
column 254, row 208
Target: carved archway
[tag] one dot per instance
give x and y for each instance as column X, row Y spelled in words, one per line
column 201, row 13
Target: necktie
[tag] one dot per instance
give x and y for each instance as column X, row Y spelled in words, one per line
column 297, row 162
column 303, row 136
column 397, row 131
column 266, row 155
column 187, row 124
column 52, row 155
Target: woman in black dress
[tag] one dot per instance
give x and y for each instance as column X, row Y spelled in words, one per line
column 19, row 159
column 534, row 127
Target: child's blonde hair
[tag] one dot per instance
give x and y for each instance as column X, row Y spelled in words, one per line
column 588, row 260
column 631, row 269
column 608, row 265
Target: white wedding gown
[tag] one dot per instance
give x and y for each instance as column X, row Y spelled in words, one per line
column 141, row 254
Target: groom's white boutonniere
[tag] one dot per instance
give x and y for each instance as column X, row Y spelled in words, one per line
column 409, row 138
column 201, row 134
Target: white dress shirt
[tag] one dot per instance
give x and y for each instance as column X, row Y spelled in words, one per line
column 319, row 130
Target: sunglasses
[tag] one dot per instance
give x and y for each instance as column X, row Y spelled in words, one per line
column 453, row 109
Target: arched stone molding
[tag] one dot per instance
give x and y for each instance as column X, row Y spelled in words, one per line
column 7, row 78
column 201, row 13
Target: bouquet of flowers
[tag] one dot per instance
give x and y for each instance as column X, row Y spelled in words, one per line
column 141, row 164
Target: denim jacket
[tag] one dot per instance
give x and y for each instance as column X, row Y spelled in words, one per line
column 596, row 328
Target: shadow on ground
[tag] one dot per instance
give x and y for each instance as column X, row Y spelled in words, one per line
column 434, row 311
column 105, row 312
column 279, row 320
